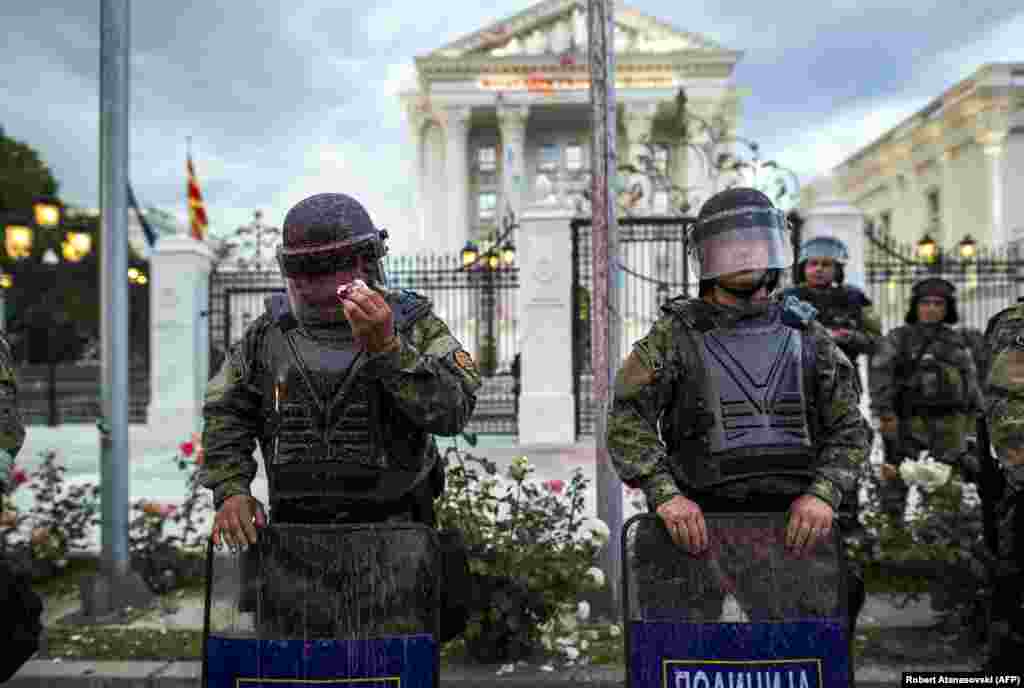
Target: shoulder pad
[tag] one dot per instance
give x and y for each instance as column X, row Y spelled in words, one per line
column 279, row 311
column 1014, row 312
column 796, row 313
column 856, row 297
column 409, row 307
column 687, row 311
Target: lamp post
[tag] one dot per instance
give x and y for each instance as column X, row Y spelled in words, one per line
column 48, row 337
column 487, row 263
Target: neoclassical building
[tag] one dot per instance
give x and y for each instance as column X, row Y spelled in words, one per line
column 955, row 167
column 501, row 118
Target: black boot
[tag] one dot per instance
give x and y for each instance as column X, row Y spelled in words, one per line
column 856, row 595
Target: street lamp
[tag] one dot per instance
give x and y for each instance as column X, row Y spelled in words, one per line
column 927, row 249
column 47, row 212
column 76, row 246
column 469, row 254
column 968, row 247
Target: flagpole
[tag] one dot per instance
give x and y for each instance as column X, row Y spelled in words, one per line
column 605, row 330
column 117, row 585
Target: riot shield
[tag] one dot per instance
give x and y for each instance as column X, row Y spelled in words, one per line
column 745, row 612
column 325, row 604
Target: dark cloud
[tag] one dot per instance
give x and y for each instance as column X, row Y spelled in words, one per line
column 262, row 86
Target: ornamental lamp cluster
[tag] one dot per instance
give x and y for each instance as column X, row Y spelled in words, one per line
column 928, row 249
column 492, row 258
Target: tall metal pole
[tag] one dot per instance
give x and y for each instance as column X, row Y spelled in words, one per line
column 605, row 329
column 114, row 464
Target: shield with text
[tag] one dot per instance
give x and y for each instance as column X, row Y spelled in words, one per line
column 311, row 605
column 744, row 612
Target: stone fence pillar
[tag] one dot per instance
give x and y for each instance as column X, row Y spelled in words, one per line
column 547, row 409
column 179, row 345
column 832, row 216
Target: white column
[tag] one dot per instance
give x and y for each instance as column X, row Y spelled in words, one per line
column 179, row 336
column 833, row 216
column 416, row 120
column 512, row 123
column 638, row 121
column 456, row 128
column 948, row 199
column 547, row 409
column 994, row 157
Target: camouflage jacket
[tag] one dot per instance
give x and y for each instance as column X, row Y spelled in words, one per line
column 848, row 308
column 431, row 379
column 12, row 429
column 1004, row 411
column 646, row 386
column 890, row 366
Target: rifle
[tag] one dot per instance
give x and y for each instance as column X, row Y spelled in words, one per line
column 991, row 486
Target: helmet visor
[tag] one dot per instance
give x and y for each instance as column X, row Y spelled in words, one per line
column 742, row 239
column 339, row 257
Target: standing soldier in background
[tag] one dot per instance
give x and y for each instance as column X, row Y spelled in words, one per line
column 675, row 396
column 1002, row 484
column 845, row 311
column 924, row 388
column 20, row 605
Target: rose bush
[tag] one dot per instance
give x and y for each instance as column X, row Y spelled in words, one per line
column 943, row 537
column 531, row 552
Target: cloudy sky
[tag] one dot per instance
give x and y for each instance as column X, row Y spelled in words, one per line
column 284, row 99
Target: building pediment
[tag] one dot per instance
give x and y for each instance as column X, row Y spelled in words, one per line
column 559, row 28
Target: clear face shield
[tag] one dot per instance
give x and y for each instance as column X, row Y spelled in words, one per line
column 313, row 277
column 742, row 240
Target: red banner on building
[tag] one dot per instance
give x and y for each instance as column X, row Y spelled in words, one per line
column 196, row 208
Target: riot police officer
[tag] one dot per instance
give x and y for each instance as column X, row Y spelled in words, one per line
column 677, row 379
column 844, row 310
column 342, row 395
column 1002, row 484
column 924, row 388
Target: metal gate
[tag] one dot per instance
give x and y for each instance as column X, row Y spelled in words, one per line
column 654, row 267
column 479, row 306
column 986, row 282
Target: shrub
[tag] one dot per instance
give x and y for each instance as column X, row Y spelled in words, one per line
column 531, row 550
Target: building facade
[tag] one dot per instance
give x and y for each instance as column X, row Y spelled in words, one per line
column 954, row 168
column 501, row 118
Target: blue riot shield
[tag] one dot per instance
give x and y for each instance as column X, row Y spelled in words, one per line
column 745, row 612
column 315, row 605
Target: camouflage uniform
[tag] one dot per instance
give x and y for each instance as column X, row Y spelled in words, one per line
column 646, row 448
column 941, row 431
column 430, row 381
column 1004, row 413
column 12, row 429
column 844, row 307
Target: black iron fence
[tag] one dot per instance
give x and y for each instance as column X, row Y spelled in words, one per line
column 77, row 394
column 653, row 268
column 479, row 305
column 481, row 308
column 986, row 282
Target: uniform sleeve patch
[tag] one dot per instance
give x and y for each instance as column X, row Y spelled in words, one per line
column 464, row 360
column 635, row 373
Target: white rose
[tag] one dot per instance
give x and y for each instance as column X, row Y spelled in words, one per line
column 909, row 471
column 572, row 653
column 519, row 468
column 583, row 610
column 596, row 530
column 596, row 575
column 614, row 631
column 584, row 644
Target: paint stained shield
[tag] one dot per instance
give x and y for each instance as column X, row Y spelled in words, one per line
column 744, row 613
column 322, row 604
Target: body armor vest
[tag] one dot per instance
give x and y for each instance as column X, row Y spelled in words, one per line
column 838, row 307
column 333, row 432
column 751, row 416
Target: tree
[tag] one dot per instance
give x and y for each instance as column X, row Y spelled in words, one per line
column 23, row 175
